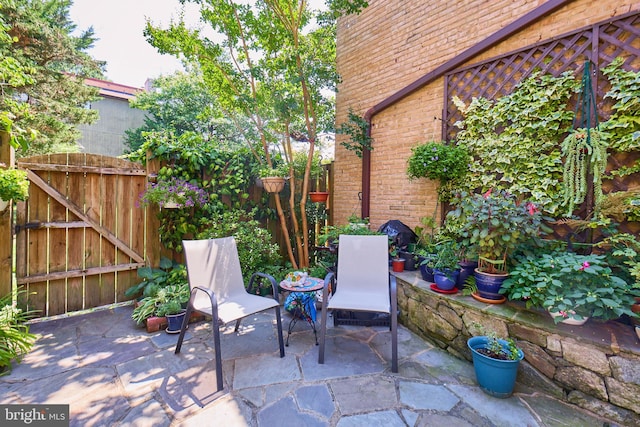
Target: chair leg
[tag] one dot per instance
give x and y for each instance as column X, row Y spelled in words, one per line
column 183, row 329
column 279, row 323
column 323, row 332
column 237, row 325
column 218, row 352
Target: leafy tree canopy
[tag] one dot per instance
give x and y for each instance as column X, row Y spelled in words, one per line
column 182, row 103
column 51, row 96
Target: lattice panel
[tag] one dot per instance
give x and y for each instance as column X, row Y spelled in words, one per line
column 497, row 77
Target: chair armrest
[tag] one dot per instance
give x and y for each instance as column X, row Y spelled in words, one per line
column 269, row 277
column 329, row 283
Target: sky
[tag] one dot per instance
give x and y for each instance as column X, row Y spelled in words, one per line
column 119, row 25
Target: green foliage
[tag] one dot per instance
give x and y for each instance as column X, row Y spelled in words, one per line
column 585, row 151
column 438, row 161
column 575, row 285
column 15, row 339
column 495, row 224
column 225, row 176
column 182, row 103
column 514, row 140
column 169, row 273
column 447, row 256
column 256, row 251
column 14, row 184
column 357, row 129
column 162, row 301
column 623, row 126
column 51, row 58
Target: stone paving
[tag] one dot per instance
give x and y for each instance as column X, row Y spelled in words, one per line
column 113, row 373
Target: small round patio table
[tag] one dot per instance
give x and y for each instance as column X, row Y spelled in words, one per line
column 303, row 298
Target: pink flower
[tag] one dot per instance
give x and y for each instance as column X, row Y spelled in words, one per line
column 584, row 265
column 532, row 208
column 488, row 193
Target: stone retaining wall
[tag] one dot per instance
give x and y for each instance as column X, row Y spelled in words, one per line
column 595, row 366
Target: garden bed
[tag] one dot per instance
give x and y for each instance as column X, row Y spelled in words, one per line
column 595, row 366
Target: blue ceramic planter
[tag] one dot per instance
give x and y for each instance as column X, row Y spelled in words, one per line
column 174, row 322
column 489, row 284
column 446, row 280
column 496, row 377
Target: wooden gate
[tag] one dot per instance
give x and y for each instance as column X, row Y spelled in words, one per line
column 80, row 237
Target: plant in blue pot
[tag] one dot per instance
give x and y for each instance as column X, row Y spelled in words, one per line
column 495, row 362
column 446, row 267
column 495, row 223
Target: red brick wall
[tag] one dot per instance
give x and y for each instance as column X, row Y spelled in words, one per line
column 390, row 45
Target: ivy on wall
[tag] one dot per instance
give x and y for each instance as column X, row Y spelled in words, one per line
column 515, row 140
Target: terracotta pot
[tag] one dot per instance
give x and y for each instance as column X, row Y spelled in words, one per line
column 398, row 265
column 319, row 196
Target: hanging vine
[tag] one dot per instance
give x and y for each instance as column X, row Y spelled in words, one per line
column 585, row 151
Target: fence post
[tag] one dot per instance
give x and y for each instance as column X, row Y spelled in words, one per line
column 7, row 157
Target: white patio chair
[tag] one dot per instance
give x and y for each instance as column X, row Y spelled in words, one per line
column 363, row 284
column 217, row 289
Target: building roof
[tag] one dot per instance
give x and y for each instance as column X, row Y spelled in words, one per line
column 113, row 90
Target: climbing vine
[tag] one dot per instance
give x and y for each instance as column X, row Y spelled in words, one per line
column 514, row 139
column 585, row 152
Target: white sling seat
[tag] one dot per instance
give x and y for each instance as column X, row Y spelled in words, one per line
column 217, row 289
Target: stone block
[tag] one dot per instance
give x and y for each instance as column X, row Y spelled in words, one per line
column 554, row 344
column 448, row 314
column 440, row 326
column 532, row 335
column 612, row 412
column 538, row 358
column 586, row 356
column 624, row 394
column 530, row 377
column 626, row 369
column 481, row 324
column 583, row 380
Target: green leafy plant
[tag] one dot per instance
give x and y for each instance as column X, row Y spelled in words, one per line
column 15, row 339
column 281, row 171
column 162, row 301
column 623, row 126
column 14, row 184
column 574, row 285
column 503, row 348
column 495, row 223
column 447, row 256
column 514, row 140
column 438, row 161
column 357, row 128
column 168, row 273
column 176, row 190
column 256, row 251
column 585, row 152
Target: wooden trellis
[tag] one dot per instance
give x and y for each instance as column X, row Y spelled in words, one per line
column 601, row 43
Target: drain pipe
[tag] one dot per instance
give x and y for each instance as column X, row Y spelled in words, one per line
column 527, row 19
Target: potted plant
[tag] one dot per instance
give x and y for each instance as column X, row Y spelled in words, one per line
column 174, row 193
column 494, row 224
column 163, row 302
column 438, row 161
column 445, row 265
column 273, row 178
column 495, row 362
column 571, row 287
column 397, row 263
column 14, row 185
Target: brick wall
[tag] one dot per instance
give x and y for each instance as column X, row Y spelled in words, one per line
column 390, row 45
